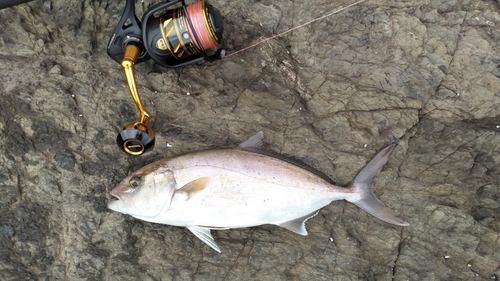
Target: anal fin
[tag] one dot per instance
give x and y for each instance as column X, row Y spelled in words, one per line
column 298, row 225
column 204, row 235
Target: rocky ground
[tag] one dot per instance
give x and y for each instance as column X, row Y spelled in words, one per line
column 422, row 74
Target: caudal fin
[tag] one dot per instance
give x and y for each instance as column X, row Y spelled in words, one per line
column 362, row 183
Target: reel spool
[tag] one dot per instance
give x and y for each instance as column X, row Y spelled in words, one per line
column 175, row 38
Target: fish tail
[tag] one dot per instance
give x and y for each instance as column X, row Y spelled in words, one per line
column 365, row 198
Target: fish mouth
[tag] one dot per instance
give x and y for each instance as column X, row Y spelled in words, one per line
column 116, row 195
column 115, row 201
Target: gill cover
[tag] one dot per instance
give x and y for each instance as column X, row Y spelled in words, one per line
column 144, row 195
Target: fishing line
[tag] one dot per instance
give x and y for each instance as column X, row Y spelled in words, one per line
column 201, row 27
column 294, row 28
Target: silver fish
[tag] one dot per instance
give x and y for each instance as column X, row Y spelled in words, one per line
column 241, row 187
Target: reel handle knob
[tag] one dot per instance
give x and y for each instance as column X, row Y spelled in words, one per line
column 136, row 139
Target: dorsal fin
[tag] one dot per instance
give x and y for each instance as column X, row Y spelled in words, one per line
column 255, row 144
column 298, row 225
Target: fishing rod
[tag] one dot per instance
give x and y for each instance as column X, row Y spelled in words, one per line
column 9, row 3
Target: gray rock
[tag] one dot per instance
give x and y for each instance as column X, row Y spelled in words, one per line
column 423, row 74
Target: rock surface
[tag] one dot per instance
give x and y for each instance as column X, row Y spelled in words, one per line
column 422, row 74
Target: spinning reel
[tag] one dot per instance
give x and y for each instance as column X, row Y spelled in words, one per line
column 174, row 38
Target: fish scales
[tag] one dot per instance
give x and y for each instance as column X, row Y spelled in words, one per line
column 248, row 164
column 245, row 189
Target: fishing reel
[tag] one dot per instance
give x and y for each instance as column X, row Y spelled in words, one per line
column 173, row 38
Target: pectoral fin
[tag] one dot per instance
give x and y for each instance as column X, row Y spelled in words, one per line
column 194, row 187
column 298, row 225
column 204, row 235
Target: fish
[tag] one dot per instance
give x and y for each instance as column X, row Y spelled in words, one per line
column 241, row 187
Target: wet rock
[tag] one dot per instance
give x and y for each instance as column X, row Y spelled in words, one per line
column 424, row 75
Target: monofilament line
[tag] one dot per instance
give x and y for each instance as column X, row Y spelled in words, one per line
column 292, row 29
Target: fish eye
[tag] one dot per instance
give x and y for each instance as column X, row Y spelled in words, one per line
column 135, row 181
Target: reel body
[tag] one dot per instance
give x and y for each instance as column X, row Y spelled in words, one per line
column 178, row 37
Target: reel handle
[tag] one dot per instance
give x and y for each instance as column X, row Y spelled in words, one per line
column 132, row 52
column 135, row 138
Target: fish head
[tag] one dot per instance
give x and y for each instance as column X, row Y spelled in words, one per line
column 146, row 193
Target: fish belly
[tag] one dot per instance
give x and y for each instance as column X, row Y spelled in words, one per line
column 232, row 203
